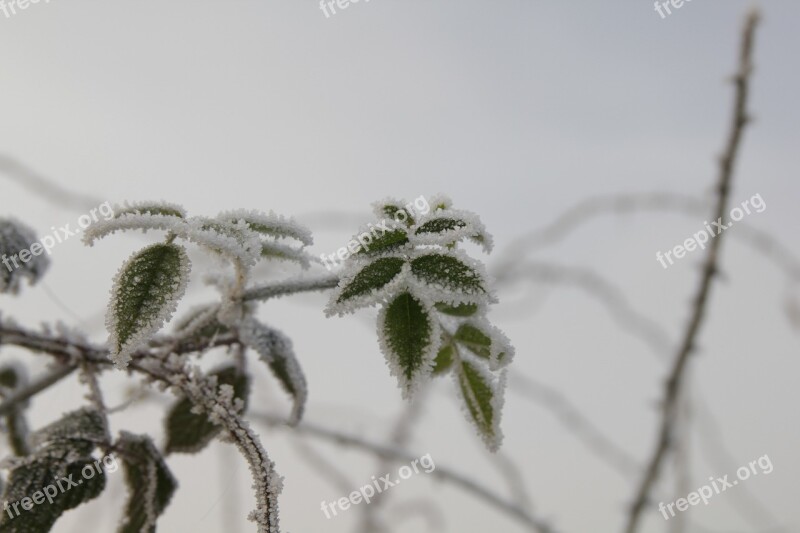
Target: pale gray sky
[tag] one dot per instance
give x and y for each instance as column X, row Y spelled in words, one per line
column 517, row 110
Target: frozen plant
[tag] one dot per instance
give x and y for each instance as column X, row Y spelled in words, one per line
column 434, row 299
column 434, row 302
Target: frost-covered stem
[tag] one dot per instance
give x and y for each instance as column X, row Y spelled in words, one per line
column 222, row 409
column 241, row 280
column 35, row 388
column 291, row 287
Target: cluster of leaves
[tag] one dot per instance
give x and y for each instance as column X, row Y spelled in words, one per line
column 434, row 299
column 149, row 285
column 60, row 472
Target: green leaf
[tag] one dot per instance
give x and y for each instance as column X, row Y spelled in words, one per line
column 444, row 360
column 392, row 210
column 273, row 250
column 276, row 350
column 372, row 277
column 145, row 294
column 448, row 272
column 461, row 310
column 485, row 341
column 474, row 340
column 34, row 480
column 189, row 432
column 284, row 367
column 410, row 340
column 84, row 427
column 271, row 225
column 483, row 400
column 390, row 240
column 150, row 483
column 440, row 225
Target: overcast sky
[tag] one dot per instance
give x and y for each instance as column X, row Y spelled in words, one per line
column 516, row 109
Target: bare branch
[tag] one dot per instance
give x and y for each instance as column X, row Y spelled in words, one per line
column 710, row 269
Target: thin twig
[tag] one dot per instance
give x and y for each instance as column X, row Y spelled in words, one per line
column 710, row 269
column 45, row 187
column 275, row 290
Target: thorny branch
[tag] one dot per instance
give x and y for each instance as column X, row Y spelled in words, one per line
column 674, row 382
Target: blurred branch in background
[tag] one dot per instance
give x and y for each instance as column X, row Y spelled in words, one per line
column 675, row 380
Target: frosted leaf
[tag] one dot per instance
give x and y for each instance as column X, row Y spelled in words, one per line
column 485, row 341
column 439, row 203
column 274, row 250
column 395, row 211
column 444, row 358
column 150, row 483
column 86, row 424
column 150, row 208
column 16, row 237
column 409, row 337
column 483, row 397
column 450, row 277
column 133, row 221
column 145, row 294
column 276, row 350
column 189, row 431
column 459, row 310
column 232, row 241
column 382, row 239
column 449, row 226
column 388, row 207
column 271, row 225
column 363, row 285
column 39, row 472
